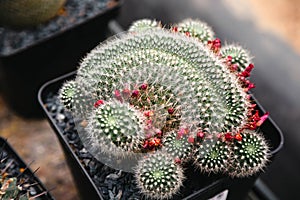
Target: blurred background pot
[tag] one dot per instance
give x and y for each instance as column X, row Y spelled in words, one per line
column 30, row 57
column 21, row 13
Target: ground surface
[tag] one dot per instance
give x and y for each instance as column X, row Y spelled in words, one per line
column 35, row 141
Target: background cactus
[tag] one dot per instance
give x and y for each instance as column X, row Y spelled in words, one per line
column 192, row 99
column 14, row 185
column 21, row 13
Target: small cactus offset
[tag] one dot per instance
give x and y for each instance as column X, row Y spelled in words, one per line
column 238, row 56
column 117, row 127
column 144, row 24
column 250, row 155
column 171, row 95
column 158, row 176
column 195, row 28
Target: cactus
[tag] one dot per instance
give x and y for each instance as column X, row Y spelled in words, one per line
column 173, row 94
column 177, row 146
column 237, row 55
column 250, row 155
column 195, row 28
column 144, row 24
column 22, row 13
column 117, row 127
column 212, row 156
column 158, row 176
column 12, row 185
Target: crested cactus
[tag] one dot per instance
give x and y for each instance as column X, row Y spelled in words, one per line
column 22, row 13
column 174, row 94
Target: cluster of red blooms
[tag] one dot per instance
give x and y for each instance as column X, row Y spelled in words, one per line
column 153, row 140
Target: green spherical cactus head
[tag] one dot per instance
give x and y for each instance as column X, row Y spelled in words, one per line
column 177, row 145
column 158, row 176
column 212, row 156
column 197, row 29
column 251, row 154
column 238, row 56
column 27, row 13
column 68, row 92
column 120, row 125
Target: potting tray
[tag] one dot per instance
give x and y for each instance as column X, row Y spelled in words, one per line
column 8, row 155
column 90, row 180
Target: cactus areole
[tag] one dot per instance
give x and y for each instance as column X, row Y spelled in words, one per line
column 153, row 98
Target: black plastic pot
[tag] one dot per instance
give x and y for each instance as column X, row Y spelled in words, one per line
column 203, row 186
column 24, row 70
column 10, row 156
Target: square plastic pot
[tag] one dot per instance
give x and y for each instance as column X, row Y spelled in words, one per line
column 24, row 70
column 10, row 155
column 204, row 187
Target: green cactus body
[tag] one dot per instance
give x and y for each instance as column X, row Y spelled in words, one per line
column 177, row 146
column 212, row 156
column 197, row 29
column 72, row 96
column 221, row 100
column 117, row 127
column 239, row 56
column 153, row 89
column 21, row 13
column 158, row 176
column 144, row 24
column 250, row 155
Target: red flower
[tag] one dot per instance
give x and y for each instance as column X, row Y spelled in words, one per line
column 135, row 93
column 98, row 103
column 238, row 137
column 228, row 136
column 171, row 111
column 144, row 86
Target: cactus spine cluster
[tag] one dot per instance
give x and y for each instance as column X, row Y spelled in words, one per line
column 13, row 186
column 191, row 95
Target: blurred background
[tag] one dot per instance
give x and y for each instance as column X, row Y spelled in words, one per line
column 270, row 29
